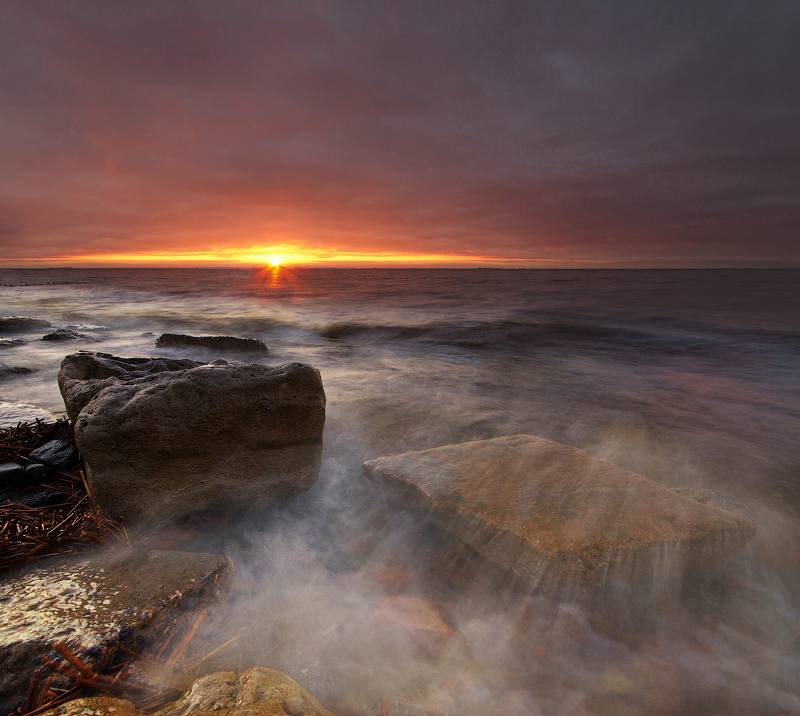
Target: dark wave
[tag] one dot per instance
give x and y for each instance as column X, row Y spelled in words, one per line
column 507, row 335
column 483, row 334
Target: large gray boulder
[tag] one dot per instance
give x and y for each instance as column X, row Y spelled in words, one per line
column 556, row 517
column 163, row 438
column 98, row 605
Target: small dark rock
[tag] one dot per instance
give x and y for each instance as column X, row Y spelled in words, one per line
column 43, row 497
column 217, row 343
column 65, row 334
column 34, row 473
column 58, row 454
column 10, row 472
column 6, row 371
column 11, row 342
column 14, row 324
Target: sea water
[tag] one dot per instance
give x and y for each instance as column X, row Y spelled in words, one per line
column 687, row 377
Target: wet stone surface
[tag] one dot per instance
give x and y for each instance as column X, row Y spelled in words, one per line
column 555, row 517
column 95, row 605
column 16, row 411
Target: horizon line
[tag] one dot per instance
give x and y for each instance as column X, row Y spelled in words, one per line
column 762, row 266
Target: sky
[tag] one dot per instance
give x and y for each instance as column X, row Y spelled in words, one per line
column 614, row 133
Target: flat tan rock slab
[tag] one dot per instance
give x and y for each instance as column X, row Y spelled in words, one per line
column 95, row 605
column 554, row 515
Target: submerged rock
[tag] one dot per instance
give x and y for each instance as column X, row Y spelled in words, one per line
column 256, row 692
column 95, row 605
column 420, row 617
column 11, row 342
column 165, row 438
column 15, row 324
column 556, row 517
column 6, row 371
column 65, row 334
column 217, row 343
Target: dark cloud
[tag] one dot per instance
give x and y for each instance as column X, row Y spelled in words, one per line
column 622, row 131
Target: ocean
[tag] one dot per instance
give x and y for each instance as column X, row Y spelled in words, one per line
column 691, row 378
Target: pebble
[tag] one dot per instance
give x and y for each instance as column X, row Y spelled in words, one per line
column 58, row 454
column 10, row 472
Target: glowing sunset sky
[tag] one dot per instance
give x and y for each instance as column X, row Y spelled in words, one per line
column 631, row 133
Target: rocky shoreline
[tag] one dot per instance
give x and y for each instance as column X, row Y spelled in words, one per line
column 164, row 440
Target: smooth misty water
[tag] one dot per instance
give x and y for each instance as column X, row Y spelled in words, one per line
column 688, row 377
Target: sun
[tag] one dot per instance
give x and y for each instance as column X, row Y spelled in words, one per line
column 275, row 261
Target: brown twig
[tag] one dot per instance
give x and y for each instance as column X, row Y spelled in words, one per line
column 63, row 698
column 62, row 649
column 185, row 641
column 217, row 650
column 44, row 690
column 91, row 499
column 166, row 642
column 33, row 692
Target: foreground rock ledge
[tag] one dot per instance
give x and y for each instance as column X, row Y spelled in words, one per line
column 96, row 605
column 256, row 692
column 554, row 516
column 162, row 438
